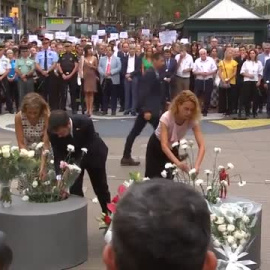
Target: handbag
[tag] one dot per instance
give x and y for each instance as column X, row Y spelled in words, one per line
column 224, row 84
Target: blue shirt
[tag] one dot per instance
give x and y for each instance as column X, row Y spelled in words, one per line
column 12, row 72
column 52, row 58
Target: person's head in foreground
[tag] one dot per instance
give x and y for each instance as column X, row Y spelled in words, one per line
column 185, row 106
column 160, row 225
column 59, row 123
column 5, row 253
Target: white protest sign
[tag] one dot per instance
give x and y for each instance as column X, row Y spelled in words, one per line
column 123, row 34
column 94, row 39
column 101, row 33
column 72, row 39
column 49, row 36
column 60, row 35
column 146, row 32
column 167, row 37
column 114, row 36
column 32, row 38
column 184, row 41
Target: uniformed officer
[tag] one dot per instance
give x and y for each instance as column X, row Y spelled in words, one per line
column 68, row 69
column 4, row 86
column 46, row 61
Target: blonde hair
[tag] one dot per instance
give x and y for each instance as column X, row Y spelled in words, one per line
column 35, row 101
column 183, row 97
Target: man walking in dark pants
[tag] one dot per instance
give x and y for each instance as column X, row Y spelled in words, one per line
column 150, row 104
column 68, row 69
column 79, row 131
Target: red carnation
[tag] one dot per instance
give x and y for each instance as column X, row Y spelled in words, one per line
column 111, row 207
column 122, row 189
column 107, row 220
column 115, row 199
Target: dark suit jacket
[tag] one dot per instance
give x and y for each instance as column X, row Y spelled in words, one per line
column 169, row 72
column 138, row 65
column 150, row 93
column 84, row 136
column 266, row 71
column 239, row 77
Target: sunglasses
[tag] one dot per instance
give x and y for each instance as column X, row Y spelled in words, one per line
column 83, row 40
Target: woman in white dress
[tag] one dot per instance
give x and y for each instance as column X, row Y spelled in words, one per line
column 252, row 71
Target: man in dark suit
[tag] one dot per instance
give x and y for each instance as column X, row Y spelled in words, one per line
column 78, row 130
column 123, row 54
column 150, row 101
column 167, row 73
column 131, row 72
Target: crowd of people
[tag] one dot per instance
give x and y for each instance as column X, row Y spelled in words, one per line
column 98, row 77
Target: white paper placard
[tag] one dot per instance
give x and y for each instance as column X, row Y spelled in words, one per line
column 146, row 32
column 114, row 36
column 49, row 36
column 72, row 39
column 32, row 38
column 101, row 33
column 61, row 35
column 184, row 41
column 94, row 37
column 123, row 34
column 167, row 37
column 100, row 40
column 39, row 43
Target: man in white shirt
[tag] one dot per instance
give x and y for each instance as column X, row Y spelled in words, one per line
column 184, row 67
column 4, row 87
column 204, row 70
column 132, row 71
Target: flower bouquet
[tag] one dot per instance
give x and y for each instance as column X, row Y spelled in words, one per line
column 12, row 164
column 54, row 187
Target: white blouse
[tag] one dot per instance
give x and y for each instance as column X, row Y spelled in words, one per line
column 252, row 68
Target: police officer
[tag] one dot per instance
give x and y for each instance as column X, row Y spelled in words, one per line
column 4, row 86
column 46, row 61
column 68, row 70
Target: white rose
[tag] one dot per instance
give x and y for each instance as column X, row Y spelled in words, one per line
column 243, row 242
column 230, row 239
column 47, row 183
column 52, row 161
column 39, row 145
column 242, row 183
column 217, row 150
column 23, row 153
column 216, row 243
column 218, row 200
column 31, row 153
column 184, row 146
column 222, row 228
column 25, row 198
column 220, row 167
column 213, row 217
column 164, row 174
column 175, row 144
column 199, row 182
column 183, row 141
column 168, row 165
column 59, row 177
column 5, row 147
column 209, row 188
column 35, row 184
column 6, row 154
column 220, row 220
column 84, row 150
column 231, row 228
column 230, row 166
column 70, row 148
column 245, row 219
column 234, row 246
column 95, row 200
column 239, row 235
column 14, row 148
column 146, row 179
column 192, row 172
column 208, row 172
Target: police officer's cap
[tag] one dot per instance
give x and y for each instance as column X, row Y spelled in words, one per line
column 68, row 44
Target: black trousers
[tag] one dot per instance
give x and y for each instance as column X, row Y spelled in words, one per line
column 14, row 93
column 98, row 99
column 5, row 95
column 139, row 125
column 249, row 93
column 72, row 84
column 203, row 90
column 98, row 179
column 45, row 84
column 225, row 101
column 54, row 92
column 268, row 100
column 110, row 93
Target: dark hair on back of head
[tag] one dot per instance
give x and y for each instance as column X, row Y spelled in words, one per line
column 57, row 119
column 157, row 56
column 161, row 225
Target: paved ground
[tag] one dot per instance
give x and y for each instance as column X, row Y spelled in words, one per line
column 248, row 149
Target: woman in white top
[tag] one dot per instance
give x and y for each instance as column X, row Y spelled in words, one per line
column 252, row 71
column 183, row 115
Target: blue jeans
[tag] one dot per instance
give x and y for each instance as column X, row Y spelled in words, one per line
column 131, row 95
